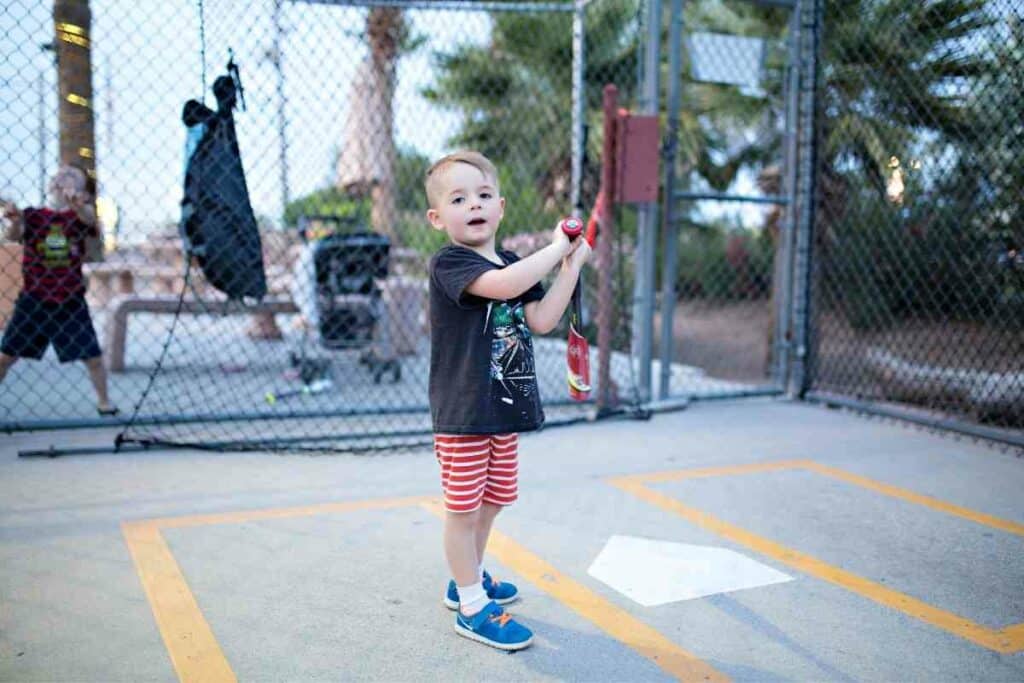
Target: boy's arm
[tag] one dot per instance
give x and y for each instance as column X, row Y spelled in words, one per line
column 15, row 227
column 543, row 316
column 511, row 281
column 84, row 206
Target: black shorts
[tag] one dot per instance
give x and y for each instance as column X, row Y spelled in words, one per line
column 37, row 324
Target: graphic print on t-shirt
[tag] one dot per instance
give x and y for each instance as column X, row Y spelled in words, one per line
column 512, row 365
column 55, row 248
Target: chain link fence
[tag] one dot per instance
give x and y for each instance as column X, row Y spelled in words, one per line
column 262, row 277
column 918, row 300
column 899, row 288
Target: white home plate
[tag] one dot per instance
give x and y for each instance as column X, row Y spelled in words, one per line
column 656, row 572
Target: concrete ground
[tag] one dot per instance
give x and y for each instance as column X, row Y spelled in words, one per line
column 905, row 550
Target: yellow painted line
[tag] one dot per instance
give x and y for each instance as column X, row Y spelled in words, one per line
column 613, row 620
column 842, row 475
column 241, row 516
column 190, row 642
column 1007, row 640
column 194, row 651
column 725, row 471
column 197, row 656
column 927, row 501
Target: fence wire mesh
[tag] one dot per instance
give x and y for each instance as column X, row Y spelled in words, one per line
column 292, row 184
column 919, row 287
column 308, row 162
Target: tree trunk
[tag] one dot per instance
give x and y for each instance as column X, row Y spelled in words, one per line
column 383, row 30
column 72, row 22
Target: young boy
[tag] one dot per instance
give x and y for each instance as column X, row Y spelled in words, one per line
column 51, row 308
column 484, row 305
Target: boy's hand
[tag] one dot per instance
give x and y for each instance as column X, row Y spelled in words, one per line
column 76, row 199
column 559, row 238
column 12, row 216
column 578, row 254
column 83, row 204
column 11, row 212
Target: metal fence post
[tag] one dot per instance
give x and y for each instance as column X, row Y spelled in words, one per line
column 579, row 96
column 647, row 216
column 784, row 306
column 810, row 12
column 669, row 151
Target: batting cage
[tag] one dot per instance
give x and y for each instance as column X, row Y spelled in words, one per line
column 215, row 230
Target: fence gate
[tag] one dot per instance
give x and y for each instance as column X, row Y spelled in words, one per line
column 728, row 212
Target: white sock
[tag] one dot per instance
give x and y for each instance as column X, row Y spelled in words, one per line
column 472, row 599
column 480, row 571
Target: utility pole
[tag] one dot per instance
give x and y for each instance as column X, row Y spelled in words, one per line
column 276, row 57
column 44, row 47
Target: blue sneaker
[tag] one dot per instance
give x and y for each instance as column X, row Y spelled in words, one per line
column 493, row 626
column 499, row 591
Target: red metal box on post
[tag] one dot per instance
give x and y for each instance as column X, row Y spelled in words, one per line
column 637, row 156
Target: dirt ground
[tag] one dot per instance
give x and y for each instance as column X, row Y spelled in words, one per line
column 729, row 340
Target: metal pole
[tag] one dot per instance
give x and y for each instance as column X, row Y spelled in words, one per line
column 1005, row 436
column 810, row 30
column 579, row 97
column 784, row 304
column 609, row 104
column 647, row 217
column 282, row 122
column 669, row 152
column 44, row 47
column 42, row 139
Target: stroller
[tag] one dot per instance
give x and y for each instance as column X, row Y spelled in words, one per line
column 336, row 288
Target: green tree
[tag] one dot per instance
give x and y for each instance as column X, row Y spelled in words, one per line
column 515, row 95
column 897, row 84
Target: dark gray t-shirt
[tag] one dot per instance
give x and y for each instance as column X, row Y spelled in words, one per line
column 482, row 376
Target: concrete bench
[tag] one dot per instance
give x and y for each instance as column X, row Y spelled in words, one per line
column 121, row 307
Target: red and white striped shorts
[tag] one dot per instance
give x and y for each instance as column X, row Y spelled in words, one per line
column 477, row 468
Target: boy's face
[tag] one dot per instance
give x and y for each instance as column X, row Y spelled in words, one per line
column 67, row 182
column 468, row 206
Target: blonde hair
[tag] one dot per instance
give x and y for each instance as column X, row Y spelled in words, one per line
column 432, row 181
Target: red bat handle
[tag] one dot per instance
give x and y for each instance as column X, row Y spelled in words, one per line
column 572, row 227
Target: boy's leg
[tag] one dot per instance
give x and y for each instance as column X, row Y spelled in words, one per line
column 463, row 460
column 75, row 339
column 460, row 550
column 502, row 486
column 501, row 490
column 460, row 545
column 98, row 377
column 26, row 334
column 5, row 364
column 488, row 511
column 465, row 466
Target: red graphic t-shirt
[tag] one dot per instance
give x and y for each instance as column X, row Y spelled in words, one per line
column 54, row 248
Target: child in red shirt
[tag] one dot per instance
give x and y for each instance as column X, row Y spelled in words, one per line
column 51, row 308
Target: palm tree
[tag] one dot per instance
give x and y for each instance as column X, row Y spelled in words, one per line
column 72, row 21
column 384, row 27
column 896, row 83
column 893, row 73
column 515, row 96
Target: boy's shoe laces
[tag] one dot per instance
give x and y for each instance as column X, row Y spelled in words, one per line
column 501, row 619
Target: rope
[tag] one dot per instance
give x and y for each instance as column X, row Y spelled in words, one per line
column 202, row 50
